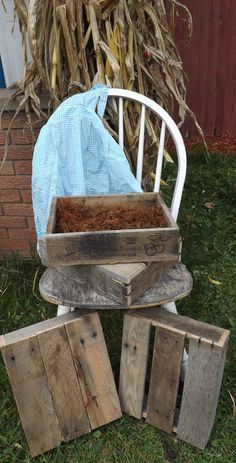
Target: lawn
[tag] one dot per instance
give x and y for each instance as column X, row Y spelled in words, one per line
column 208, row 225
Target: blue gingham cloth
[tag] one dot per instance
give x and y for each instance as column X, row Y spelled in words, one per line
column 76, row 155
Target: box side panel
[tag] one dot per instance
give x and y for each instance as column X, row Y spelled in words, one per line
column 113, row 247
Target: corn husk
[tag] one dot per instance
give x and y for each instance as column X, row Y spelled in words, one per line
column 123, row 43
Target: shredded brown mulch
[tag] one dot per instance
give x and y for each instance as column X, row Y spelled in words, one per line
column 71, row 218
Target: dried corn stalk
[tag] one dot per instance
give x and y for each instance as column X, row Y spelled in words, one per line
column 126, row 44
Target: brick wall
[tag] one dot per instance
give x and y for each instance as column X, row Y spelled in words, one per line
column 17, row 230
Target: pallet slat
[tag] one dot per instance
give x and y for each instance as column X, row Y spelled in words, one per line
column 201, row 392
column 63, row 383
column 133, row 365
column 94, row 370
column 32, row 395
column 165, row 375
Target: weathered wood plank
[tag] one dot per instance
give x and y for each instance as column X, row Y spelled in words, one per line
column 201, row 391
column 52, row 216
column 183, row 324
column 165, row 375
column 94, row 370
column 133, row 365
column 58, row 288
column 130, row 199
column 161, row 244
column 148, row 278
column 32, row 395
column 45, row 325
column 123, row 272
column 63, row 382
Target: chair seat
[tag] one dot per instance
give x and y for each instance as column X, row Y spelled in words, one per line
column 59, row 286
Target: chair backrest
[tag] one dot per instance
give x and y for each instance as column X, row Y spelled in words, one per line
column 166, row 123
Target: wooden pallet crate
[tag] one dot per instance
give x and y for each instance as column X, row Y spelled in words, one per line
column 194, row 418
column 122, row 283
column 161, row 244
column 61, row 378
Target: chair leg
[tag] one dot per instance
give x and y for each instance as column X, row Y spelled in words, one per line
column 171, row 307
column 63, row 309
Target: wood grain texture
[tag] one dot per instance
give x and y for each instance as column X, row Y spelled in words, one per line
column 60, row 373
column 63, row 382
column 106, row 247
column 165, row 375
column 133, row 365
column 94, row 370
column 183, row 324
column 36, row 328
column 52, row 216
column 59, row 288
column 32, row 395
column 2, row 341
column 124, row 283
column 201, row 391
column 153, row 244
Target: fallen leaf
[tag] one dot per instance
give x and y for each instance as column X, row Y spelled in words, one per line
column 214, row 282
column 209, row 205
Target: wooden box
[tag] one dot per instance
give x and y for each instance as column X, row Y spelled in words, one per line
column 61, row 378
column 121, row 283
column 193, row 417
column 108, row 247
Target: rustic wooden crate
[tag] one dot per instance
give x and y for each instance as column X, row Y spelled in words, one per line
column 122, row 283
column 194, row 420
column 115, row 246
column 61, row 285
column 61, row 378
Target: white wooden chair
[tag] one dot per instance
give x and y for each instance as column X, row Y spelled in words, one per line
column 166, row 124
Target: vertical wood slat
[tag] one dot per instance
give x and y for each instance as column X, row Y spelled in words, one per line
column 63, row 383
column 139, row 168
column 134, row 356
column 32, row 395
column 201, row 391
column 165, row 375
column 94, row 370
column 121, row 123
column 160, row 158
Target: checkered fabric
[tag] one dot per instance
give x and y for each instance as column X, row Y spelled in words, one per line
column 76, row 155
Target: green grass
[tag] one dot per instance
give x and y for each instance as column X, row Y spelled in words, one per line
column 208, row 251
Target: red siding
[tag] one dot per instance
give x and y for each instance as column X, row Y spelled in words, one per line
column 210, row 65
